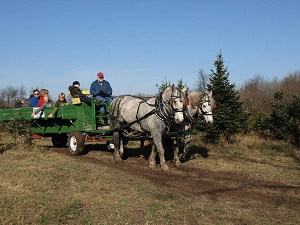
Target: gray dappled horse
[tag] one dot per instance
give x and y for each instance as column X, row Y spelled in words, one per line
column 199, row 103
column 153, row 116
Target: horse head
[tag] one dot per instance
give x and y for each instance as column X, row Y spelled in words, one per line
column 207, row 106
column 173, row 99
column 200, row 104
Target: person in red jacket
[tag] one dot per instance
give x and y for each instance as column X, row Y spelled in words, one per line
column 44, row 92
column 47, row 102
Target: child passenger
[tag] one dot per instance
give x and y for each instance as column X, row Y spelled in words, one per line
column 76, row 92
column 46, row 103
column 60, row 102
column 44, row 92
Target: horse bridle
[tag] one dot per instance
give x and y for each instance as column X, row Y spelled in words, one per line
column 199, row 105
column 161, row 105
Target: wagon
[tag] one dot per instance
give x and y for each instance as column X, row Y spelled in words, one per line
column 72, row 125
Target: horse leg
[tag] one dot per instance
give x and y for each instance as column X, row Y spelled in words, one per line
column 116, row 138
column 186, row 147
column 161, row 153
column 152, row 161
column 176, row 152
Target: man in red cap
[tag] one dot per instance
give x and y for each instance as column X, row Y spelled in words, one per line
column 101, row 90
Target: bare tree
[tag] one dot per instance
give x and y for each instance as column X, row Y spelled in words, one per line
column 22, row 92
column 258, row 94
column 10, row 95
column 290, row 86
column 202, row 80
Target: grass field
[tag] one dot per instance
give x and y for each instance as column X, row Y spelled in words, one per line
column 250, row 182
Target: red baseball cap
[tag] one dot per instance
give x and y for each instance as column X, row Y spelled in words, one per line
column 100, row 75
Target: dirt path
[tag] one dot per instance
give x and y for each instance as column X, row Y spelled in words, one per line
column 190, row 181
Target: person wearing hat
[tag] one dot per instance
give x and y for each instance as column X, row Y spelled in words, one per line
column 76, row 92
column 101, row 90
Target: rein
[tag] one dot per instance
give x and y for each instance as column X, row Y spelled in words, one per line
column 163, row 111
column 199, row 105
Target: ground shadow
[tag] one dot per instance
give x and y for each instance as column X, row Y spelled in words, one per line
column 2, row 148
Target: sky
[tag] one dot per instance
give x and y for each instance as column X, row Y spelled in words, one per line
column 140, row 43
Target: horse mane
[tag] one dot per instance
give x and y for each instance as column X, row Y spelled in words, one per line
column 194, row 97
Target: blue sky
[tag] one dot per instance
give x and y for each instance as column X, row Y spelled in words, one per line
column 140, row 43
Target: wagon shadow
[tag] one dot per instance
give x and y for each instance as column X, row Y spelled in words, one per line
column 96, row 147
column 129, row 151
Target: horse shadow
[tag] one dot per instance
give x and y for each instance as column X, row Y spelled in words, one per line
column 145, row 151
column 190, row 155
column 142, row 152
column 169, row 147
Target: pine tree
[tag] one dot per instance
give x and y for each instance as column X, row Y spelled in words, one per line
column 164, row 84
column 229, row 117
column 294, row 113
column 279, row 119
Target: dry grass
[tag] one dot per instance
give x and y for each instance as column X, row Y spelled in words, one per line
column 38, row 186
column 256, row 157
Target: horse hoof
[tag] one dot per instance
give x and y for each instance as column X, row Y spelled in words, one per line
column 117, row 158
column 111, row 147
column 177, row 164
column 152, row 166
column 164, row 167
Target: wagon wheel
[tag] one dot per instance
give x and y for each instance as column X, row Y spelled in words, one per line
column 59, row 140
column 76, row 143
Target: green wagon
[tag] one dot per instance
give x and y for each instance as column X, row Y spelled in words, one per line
column 72, row 125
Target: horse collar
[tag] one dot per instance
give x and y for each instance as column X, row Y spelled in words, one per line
column 160, row 111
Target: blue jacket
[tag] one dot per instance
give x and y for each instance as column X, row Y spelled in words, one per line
column 103, row 89
column 34, row 102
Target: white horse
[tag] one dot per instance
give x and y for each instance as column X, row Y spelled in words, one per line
column 152, row 116
column 199, row 104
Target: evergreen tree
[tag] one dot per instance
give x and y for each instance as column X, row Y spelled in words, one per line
column 164, row 84
column 279, row 119
column 181, row 83
column 294, row 112
column 283, row 122
column 229, row 117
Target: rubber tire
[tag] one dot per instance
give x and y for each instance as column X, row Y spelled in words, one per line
column 59, row 140
column 76, row 143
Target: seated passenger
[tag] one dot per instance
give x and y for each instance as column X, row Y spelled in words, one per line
column 35, row 98
column 60, row 102
column 47, row 102
column 44, row 92
column 76, row 92
column 23, row 103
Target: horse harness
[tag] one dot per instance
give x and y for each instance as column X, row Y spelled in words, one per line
column 199, row 105
column 160, row 110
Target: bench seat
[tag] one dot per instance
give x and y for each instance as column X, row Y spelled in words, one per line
column 76, row 100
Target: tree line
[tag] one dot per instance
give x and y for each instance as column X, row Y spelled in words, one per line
column 269, row 108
